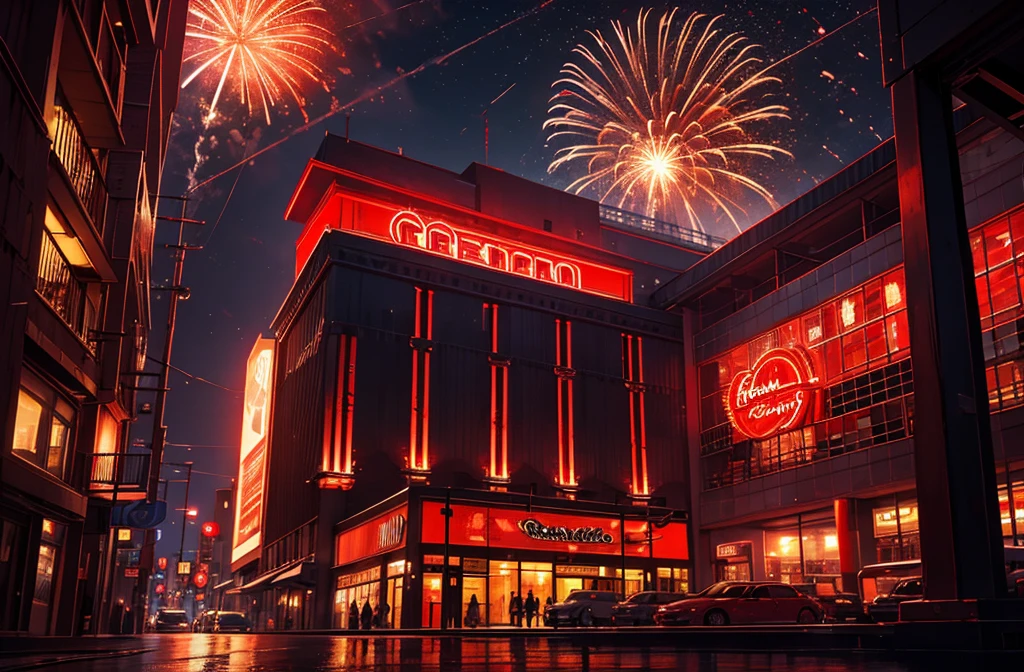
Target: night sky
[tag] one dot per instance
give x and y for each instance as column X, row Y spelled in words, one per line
column 839, row 112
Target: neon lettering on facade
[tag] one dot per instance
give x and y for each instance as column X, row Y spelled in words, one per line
column 534, row 529
column 408, row 228
column 773, row 396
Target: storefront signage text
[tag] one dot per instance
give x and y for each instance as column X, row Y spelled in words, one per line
column 773, row 396
column 437, row 237
column 534, row 529
column 733, row 550
column 390, row 533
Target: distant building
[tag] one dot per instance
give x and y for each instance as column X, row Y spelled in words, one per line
column 87, row 91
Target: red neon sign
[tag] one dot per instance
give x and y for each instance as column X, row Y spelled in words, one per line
column 773, row 396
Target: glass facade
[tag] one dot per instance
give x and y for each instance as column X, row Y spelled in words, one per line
column 857, row 348
column 802, row 552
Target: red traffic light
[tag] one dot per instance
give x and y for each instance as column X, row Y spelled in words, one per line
column 200, row 579
column 162, row 564
column 160, row 588
column 210, row 529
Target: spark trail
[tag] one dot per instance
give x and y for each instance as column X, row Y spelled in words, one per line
column 437, row 60
column 383, row 14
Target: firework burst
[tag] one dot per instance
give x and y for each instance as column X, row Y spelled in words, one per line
column 663, row 126
column 267, row 49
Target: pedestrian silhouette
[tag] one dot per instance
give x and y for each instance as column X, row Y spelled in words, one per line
column 473, row 612
column 532, row 604
column 353, row 616
column 366, row 617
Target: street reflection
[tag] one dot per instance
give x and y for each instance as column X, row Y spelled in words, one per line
column 322, row 653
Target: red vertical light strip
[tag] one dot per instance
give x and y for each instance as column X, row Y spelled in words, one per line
column 414, row 409
column 339, row 405
column 558, row 380
column 643, row 420
column 494, row 393
column 571, row 437
column 426, row 383
column 330, row 401
column 350, row 403
column 504, row 422
column 627, row 356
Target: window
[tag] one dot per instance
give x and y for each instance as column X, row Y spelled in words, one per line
column 782, row 592
column 42, row 426
column 761, row 592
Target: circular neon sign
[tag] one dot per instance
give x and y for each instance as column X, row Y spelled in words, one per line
column 773, row 396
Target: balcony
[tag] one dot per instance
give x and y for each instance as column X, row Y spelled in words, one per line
column 672, row 233
column 126, row 473
column 79, row 163
column 65, row 294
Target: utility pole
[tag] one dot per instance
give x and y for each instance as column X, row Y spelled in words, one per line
column 446, row 599
column 177, row 291
column 184, row 512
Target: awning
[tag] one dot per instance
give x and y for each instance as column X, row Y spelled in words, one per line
column 300, row 574
column 224, row 584
column 253, row 585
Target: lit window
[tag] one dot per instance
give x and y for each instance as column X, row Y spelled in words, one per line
column 893, row 296
column 26, row 425
column 848, row 312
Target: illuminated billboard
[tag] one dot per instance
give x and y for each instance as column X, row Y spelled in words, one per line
column 252, row 454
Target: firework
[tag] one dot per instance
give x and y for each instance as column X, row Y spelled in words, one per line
column 267, row 49
column 663, row 125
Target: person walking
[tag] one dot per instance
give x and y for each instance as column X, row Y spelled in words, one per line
column 517, row 610
column 353, row 616
column 384, row 615
column 532, row 604
column 366, row 617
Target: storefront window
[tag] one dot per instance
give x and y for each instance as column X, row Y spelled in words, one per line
column 804, row 553
column 503, row 581
column 782, row 556
column 536, row 576
column 432, row 600
column 821, row 552
column 1018, row 512
column 673, row 580
column 896, row 532
column 358, row 587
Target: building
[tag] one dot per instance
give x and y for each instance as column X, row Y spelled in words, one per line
column 88, row 88
column 802, row 436
column 470, row 331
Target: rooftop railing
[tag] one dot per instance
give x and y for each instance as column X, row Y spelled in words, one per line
column 672, row 233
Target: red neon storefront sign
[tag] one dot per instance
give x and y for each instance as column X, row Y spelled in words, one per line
column 773, row 396
column 407, row 228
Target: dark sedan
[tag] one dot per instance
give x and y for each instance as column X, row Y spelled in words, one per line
column 886, row 608
column 171, row 620
column 839, row 607
column 639, row 608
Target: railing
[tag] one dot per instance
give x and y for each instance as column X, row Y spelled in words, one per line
column 650, row 226
column 78, row 161
column 872, row 426
column 58, row 286
column 128, row 471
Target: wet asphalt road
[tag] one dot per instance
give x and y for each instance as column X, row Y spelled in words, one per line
column 272, row 653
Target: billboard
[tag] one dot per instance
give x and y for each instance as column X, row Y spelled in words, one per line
column 252, row 454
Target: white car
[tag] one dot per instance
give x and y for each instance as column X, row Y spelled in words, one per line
column 582, row 608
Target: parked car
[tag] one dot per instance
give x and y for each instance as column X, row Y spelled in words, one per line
column 224, row 621
column 170, row 620
column 838, row 606
column 742, row 602
column 639, row 608
column 886, row 608
column 582, row 607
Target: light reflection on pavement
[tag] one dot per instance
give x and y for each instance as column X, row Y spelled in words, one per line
column 322, row 653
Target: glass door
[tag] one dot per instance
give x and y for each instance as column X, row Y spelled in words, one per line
column 474, row 586
column 502, row 583
column 431, row 616
column 394, row 600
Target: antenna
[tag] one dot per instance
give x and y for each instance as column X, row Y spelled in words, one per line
column 487, row 130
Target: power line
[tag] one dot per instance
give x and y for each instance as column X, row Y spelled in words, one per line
column 196, row 378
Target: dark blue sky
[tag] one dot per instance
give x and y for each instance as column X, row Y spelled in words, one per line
column 838, row 106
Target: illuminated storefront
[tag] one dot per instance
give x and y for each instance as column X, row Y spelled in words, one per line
column 498, row 549
column 804, row 464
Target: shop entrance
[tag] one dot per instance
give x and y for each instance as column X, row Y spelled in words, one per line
column 734, row 561
column 474, row 586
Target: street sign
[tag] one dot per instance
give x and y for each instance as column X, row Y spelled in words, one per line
column 124, row 534
column 184, row 568
column 131, row 572
column 139, row 515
